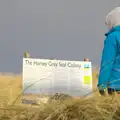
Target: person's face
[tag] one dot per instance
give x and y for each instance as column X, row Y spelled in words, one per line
column 109, row 26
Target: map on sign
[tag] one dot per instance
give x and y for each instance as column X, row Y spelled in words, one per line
column 47, row 77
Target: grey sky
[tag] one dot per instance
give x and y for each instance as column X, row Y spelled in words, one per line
column 64, row 29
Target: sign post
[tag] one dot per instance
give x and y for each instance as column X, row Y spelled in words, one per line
column 48, row 77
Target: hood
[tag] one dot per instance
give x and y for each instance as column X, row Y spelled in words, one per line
column 113, row 18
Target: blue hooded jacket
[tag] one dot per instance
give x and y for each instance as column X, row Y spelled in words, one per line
column 109, row 76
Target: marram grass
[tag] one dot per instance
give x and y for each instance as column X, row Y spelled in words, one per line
column 92, row 108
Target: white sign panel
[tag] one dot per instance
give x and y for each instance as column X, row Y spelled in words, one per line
column 47, row 77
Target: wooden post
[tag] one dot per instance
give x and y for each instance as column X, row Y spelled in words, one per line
column 52, row 59
column 27, row 55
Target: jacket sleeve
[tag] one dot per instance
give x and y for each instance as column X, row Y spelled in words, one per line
column 108, row 57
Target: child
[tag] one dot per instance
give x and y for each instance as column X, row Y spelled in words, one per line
column 109, row 77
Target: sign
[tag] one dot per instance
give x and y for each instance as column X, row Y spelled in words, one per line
column 47, row 77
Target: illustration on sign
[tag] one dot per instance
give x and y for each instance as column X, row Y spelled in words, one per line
column 86, row 66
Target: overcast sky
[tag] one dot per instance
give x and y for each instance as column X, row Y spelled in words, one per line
column 62, row 29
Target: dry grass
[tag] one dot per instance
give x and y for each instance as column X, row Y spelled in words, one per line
column 94, row 108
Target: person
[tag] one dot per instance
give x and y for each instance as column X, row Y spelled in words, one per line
column 109, row 74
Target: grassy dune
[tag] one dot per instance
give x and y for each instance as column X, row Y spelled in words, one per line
column 94, row 108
